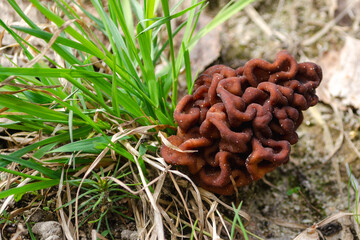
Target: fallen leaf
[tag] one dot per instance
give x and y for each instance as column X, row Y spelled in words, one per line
column 342, row 74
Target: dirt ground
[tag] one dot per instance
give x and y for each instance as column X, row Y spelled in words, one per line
column 314, row 185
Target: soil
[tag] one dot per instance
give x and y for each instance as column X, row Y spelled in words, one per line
column 314, row 184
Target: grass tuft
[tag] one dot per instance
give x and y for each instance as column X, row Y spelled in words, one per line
column 93, row 97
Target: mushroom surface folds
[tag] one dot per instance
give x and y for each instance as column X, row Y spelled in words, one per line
column 241, row 122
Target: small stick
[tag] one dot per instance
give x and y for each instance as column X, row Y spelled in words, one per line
column 329, row 25
column 258, row 20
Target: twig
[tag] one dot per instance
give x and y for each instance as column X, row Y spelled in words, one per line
column 329, row 25
column 259, row 21
column 352, row 145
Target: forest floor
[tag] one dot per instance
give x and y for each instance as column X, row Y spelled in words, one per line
column 311, row 194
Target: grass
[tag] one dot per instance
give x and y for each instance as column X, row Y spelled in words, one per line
column 238, row 220
column 355, row 185
column 93, row 111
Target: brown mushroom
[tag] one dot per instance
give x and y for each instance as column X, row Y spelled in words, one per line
column 242, row 122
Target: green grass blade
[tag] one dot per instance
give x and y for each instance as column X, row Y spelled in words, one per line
column 187, row 69
column 18, row 39
column 32, row 123
column 16, row 104
column 128, row 17
column 222, row 16
column 237, row 219
column 115, row 96
column 32, row 165
column 193, row 229
column 61, row 138
column 166, row 11
column 92, row 145
column 47, row 36
column 16, row 7
column 32, row 236
column 42, row 151
column 158, row 21
column 29, row 188
column 149, row 71
column 75, row 34
column 16, row 173
column 52, row 72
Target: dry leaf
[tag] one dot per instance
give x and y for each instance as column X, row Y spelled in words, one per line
column 342, row 74
column 338, row 226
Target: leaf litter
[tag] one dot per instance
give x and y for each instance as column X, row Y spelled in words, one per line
column 308, row 193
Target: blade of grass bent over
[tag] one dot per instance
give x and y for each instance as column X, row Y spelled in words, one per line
column 29, row 188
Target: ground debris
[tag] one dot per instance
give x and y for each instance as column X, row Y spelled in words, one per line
column 50, row 230
column 304, row 191
column 339, row 226
column 342, row 74
column 129, row 235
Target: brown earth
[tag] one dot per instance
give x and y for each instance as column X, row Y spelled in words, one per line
column 314, row 185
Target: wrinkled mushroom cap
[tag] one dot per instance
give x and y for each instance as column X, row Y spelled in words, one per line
column 242, row 122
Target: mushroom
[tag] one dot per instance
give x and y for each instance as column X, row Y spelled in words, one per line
column 241, row 122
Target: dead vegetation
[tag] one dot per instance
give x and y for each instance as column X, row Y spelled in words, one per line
column 309, row 195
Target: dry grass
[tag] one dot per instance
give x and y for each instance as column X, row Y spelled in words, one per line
column 171, row 202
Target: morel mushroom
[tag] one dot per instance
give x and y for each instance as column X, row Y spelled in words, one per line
column 241, row 122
